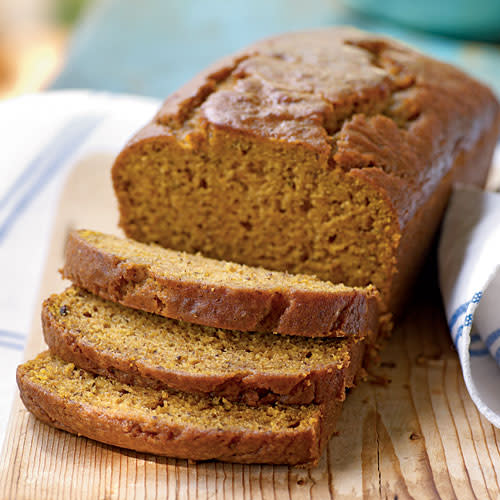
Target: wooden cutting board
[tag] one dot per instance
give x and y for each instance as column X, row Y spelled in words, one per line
column 419, row 436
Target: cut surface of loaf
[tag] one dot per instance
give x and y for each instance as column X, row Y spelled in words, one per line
column 145, row 349
column 329, row 152
column 217, row 293
column 171, row 423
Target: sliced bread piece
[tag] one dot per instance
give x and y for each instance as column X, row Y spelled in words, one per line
column 172, row 423
column 216, row 293
column 145, row 349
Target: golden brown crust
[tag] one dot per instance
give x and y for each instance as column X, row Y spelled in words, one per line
column 402, row 123
column 293, row 447
column 253, row 388
column 292, row 312
column 408, row 115
column 469, row 167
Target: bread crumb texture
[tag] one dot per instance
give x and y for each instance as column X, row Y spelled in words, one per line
column 116, row 399
column 196, row 268
column 173, row 345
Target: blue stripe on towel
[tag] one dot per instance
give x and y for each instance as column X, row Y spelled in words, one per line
column 478, row 349
column 12, row 335
column 479, row 352
column 11, row 345
column 458, row 335
column 54, row 159
column 492, row 337
column 459, row 311
column 22, row 180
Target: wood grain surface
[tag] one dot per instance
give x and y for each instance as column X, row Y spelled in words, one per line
column 420, row 436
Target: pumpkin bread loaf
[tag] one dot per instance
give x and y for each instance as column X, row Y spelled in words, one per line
column 329, row 155
column 144, row 349
column 172, row 423
column 329, row 152
column 217, row 293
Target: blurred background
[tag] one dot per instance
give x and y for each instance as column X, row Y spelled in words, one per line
column 151, row 47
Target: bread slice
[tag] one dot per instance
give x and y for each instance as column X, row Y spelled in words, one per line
column 217, row 293
column 172, row 423
column 145, row 349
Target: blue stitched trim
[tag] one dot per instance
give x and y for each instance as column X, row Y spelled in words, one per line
column 462, row 309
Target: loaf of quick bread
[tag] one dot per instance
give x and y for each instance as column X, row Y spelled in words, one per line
column 329, row 152
column 329, row 155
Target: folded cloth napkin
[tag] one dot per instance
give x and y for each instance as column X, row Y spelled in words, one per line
column 469, row 278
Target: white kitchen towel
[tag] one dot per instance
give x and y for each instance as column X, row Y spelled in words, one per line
column 469, row 278
column 43, row 136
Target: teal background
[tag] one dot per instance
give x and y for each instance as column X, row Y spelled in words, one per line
column 151, row 47
column 474, row 19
